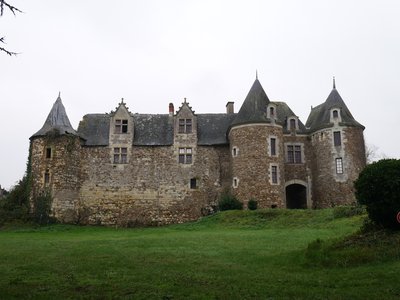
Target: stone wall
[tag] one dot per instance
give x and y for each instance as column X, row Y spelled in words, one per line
column 251, row 165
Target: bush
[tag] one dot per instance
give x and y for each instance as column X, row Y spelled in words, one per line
column 378, row 187
column 344, row 211
column 229, row 202
column 252, row 204
column 42, row 208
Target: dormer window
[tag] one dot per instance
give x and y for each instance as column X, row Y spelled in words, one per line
column 335, row 114
column 185, row 126
column 292, row 124
column 121, row 126
column 271, row 112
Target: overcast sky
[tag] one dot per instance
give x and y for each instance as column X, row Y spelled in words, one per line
column 155, row 52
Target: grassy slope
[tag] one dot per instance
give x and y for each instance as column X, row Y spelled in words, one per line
column 231, row 255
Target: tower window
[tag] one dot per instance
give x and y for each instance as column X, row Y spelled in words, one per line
column 339, row 165
column 272, row 112
column 185, row 156
column 120, row 155
column 335, row 114
column 48, row 152
column 235, row 151
column 292, row 124
column 193, row 183
column 274, row 174
column 273, row 146
column 235, row 182
column 337, row 139
column 47, row 177
column 185, row 126
column 121, row 126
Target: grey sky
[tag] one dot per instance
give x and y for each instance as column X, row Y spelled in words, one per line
column 155, row 52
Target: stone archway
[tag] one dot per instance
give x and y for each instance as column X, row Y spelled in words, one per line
column 296, row 196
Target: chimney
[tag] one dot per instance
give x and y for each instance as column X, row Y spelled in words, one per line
column 171, row 109
column 229, row 108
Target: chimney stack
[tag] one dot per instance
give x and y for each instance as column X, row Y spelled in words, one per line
column 171, row 109
column 229, row 108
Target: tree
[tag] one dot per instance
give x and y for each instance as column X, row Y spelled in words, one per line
column 378, row 187
column 13, row 9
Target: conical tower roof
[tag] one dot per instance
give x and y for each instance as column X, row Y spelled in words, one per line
column 57, row 121
column 320, row 115
column 254, row 107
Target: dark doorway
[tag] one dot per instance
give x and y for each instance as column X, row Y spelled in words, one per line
column 296, row 196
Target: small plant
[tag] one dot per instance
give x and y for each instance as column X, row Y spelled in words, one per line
column 42, row 208
column 252, row 204
column 229, row 202
column 378, row 187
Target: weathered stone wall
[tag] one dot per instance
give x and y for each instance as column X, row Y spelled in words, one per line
column 153, row 188
column 251, row 166
column 330, row 188
column 63, row 169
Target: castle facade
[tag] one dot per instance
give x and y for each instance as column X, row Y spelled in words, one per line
column 131, row 169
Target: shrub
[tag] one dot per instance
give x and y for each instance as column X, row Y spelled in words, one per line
column 229, row 202
column 252, row 204
column 378, row 187
column 42, row 208
column 344, row 211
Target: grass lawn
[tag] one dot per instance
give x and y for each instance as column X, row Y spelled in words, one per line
column 232, row 255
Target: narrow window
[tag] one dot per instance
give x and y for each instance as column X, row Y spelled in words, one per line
column 339, row 165
column 116, row 155
column 185, row 156
column 235, row 182
column 271, row 112
column 297, row 154
column 335, row 114
column 274, row 174
column 181, row 126
column 188, row 125
column 292, row 124
column 290, row 154
column 193, row 183
column 47, row 177
column 273, row 146
column 235, row 151
column 48, row 152
column 124, row 155
column 337, row 140
column 121, row 126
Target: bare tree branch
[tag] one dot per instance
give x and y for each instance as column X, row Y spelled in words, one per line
column 13, row 9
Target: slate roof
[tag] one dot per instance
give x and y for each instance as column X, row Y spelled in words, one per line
column 57, row 121
column 153, row 130
column 254, row 107
column 212, row 128
column 283, row 112
column 320, row 115
column 95, row 129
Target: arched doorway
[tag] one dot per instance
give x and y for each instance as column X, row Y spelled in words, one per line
column 296, row 196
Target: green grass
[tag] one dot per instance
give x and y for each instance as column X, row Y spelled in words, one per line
column 262, row 254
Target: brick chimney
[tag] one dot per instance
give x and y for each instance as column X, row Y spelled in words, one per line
column 171, row 109
column 229, row 108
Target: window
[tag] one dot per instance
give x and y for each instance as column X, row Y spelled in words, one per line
column 235, row 151
column 274, row 174
column 337, row 140
column 185, row 126
column 273, row 146
column 339, row 165
column 120, row 155
column 294, row 154
column 272, row 112
column 185, row 155
column 48, row 152
column 47, row 177
column 335, row 114
column 121, row 126
column 193, row 183
column 292, row 123
column 235, row 182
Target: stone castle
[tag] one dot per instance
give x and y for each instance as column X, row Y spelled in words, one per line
column 124, row 168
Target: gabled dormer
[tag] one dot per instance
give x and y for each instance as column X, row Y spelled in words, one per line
column 121, row 134
column 185, row 122
column 292, row 124
column 272, row 111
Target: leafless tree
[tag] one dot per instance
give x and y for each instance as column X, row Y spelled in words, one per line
column 13, row 9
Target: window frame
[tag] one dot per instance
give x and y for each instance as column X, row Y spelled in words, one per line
column 120, row 155
column 272, row 144
column 185, row 155
column 121, row 126
column 339, row 165
column 185, row 125
column 337, row 138
column 274, row 174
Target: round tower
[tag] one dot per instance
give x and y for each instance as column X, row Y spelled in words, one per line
column 339, row 151
column 256, row 146
column 55, row 163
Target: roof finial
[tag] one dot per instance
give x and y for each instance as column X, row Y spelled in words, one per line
column 59, row 94
column 122, row 101
column 256, row 74
column 184, row 100
column 334, row 84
